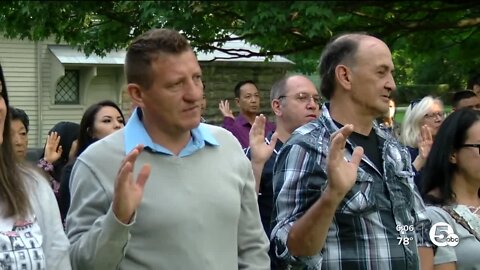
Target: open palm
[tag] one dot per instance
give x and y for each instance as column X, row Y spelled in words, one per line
column 342, row 173
column 425, row 142
column 128, row 192
column 259, row 149
column 224, row 107
column 53, row 151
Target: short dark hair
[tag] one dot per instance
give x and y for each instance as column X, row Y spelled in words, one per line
column 474, row 80
column 341, row 49
column 460, row 95
column 239, row 85
column 438, row 171
column 19, row 114
column 146, row 48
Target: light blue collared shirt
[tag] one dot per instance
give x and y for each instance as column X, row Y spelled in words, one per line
column 135, row 134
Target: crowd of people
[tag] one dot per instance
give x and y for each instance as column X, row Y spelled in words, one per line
column 334, row 182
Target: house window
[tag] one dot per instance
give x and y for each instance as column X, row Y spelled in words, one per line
column 68, row 88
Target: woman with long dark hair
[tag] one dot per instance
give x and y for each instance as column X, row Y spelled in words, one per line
column 31, row 235
column 99, row 120
column 451, row 180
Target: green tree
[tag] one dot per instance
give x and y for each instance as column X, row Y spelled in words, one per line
column 434, row 41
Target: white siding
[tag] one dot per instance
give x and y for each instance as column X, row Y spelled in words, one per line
column 52, row 114
column 18, row 58
column 28, row 68
column 104, row 86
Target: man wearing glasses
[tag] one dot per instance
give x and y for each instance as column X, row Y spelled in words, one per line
column 295, row 101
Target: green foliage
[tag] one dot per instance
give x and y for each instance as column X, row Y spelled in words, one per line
column 406, row 93
column 433, row 42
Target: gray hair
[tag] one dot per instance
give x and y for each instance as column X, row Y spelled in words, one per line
column 411, row 128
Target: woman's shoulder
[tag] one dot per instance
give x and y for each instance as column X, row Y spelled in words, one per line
column 34, row 179
column 437, row 213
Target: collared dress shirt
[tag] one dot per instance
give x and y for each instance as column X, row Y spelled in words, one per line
column 240, row 127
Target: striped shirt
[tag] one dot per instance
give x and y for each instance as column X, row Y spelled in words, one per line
column 379, row 223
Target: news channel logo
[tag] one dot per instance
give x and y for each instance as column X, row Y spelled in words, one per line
column 442, row 235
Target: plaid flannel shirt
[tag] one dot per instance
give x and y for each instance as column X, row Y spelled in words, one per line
column 379, row 223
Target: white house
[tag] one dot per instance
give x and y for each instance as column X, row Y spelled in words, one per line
column 54, row 83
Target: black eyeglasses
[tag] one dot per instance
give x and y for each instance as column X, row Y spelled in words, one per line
column 472, row 145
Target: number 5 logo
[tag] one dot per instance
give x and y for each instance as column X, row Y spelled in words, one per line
column 441, row 234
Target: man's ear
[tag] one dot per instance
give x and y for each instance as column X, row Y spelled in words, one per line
column 276, row 104
column 237, row 101
column 136, row 94
column 344, row 76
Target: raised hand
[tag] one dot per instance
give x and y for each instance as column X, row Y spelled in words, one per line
column 53, row 151
column 341, row 173
column 224, row 107
column 425, row 142
column 424, row 145
column 260, row 150
column 128, row 192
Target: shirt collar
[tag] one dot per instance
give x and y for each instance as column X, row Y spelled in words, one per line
column 135, row 134
column 242, row 120
column 328, row 122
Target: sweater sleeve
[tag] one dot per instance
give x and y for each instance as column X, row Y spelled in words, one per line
column 55, row 243
column 98, row 240
column 253, row 244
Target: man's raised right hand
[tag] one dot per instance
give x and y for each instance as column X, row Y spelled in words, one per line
column 128, row 192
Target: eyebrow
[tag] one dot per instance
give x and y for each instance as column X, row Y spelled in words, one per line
column 385, row 67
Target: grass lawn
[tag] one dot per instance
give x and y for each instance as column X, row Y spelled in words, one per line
column 399, row 114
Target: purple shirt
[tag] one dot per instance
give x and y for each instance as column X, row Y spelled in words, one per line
column 240, row 127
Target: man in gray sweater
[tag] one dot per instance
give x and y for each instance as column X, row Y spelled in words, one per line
column 197, row 210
